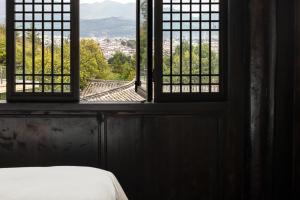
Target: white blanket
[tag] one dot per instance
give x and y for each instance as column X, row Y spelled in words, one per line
column 59, row 183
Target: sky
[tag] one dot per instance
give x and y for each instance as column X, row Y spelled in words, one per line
column 120, row 1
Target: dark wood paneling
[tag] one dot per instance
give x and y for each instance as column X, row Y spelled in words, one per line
column 166, row 157
column 296, row 171
column 236, row 115
column 124, row 156
column 43, row 141
column 283, row 127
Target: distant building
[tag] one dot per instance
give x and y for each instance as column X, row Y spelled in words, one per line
column 110, row 91
column 110, row 46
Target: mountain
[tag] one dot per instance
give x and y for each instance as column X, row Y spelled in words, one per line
column 105, row 19
column 107, row 9
column 108, row 27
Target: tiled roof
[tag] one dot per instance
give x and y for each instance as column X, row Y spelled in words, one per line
column 110, row 91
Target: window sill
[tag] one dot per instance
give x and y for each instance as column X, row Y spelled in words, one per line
column 114, row 107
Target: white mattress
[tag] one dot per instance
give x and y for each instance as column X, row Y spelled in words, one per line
column 59, row 183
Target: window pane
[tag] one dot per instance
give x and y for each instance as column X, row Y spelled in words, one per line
column 191, row 47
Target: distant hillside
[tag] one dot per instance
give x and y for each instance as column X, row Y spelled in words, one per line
column 105, row 19
column 107, row 9
column 109, row 27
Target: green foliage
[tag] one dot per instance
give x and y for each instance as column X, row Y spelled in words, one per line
column 41, row 65
column 143, row 42
column 2, row 45
column 123, row 66
column 93, row 64
column 2, row 53
column 195, row 67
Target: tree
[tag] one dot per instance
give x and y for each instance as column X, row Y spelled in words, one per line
column 2, row 45
column 2, row 52
column 93, row 64
column 194, row 68
column 123, row 66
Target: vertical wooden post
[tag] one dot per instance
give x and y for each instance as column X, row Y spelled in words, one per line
column 262, row 82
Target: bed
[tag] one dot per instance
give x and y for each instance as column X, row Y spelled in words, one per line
column 59, row 183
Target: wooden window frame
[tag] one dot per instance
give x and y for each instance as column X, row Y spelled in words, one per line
column 148, row 93
column 191, row 97
column 73, row 95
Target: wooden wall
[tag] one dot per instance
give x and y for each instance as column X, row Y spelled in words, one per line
column 154, row 156
column 44, row 140
column 164, row 151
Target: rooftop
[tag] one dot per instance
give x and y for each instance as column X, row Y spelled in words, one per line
column 110, row 91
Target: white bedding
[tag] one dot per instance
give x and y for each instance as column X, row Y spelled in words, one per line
column 59, row 183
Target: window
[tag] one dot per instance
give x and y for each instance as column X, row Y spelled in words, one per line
column 43, row 53
column 180, row 51
column 108, row 51
column 190, row 40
